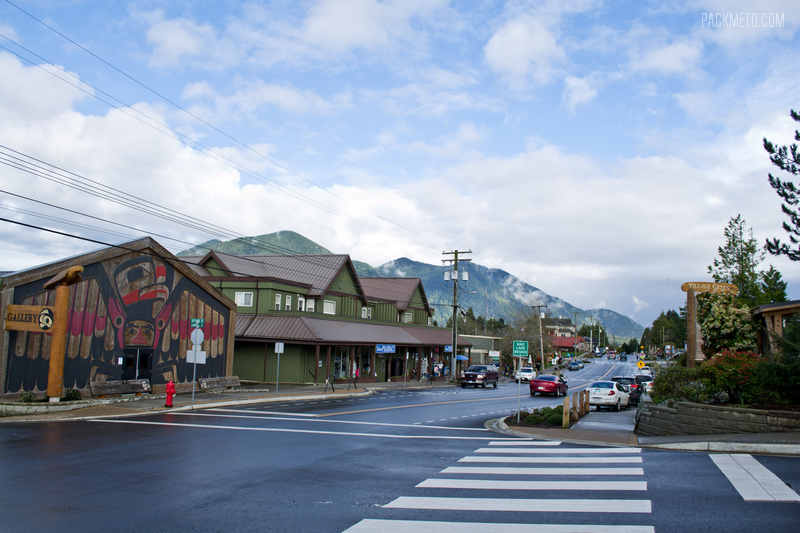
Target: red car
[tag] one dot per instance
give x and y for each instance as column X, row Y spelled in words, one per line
column 549, row 384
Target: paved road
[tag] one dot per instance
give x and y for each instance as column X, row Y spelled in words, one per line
column 390, row 462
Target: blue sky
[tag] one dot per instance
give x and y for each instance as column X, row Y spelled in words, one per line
column 594, row 149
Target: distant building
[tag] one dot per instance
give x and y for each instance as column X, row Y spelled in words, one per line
column 558, row 327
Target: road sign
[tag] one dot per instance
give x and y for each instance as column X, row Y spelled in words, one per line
column 384, row 348
column 197, row 336
column 198, row 322
column 640, row 364
column 278, row 347
column 520, row 348
column 196, row 356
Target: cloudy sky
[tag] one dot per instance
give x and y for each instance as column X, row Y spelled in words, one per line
column 594, row 149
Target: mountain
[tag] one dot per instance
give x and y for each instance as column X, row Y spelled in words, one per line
column 493, row 292
column 490, row 292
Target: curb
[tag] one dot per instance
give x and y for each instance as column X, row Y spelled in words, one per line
column 198, row 406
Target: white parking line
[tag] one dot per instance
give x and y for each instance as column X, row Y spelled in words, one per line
column 426, row 526
column 526, row 443
column 525, row 505
column 533, row 471
column 501, row 484
column 752, row 480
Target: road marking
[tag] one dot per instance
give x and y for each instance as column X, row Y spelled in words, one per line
column 503, row 484
column 526, row 505
column 527, row 443
column 278, row 430
column 427, row 404
column 253, row 411
column 752, row 480
column 571, row 471
column 559, row 450
column 426, row 526
column 328, row 421
column 507, row 459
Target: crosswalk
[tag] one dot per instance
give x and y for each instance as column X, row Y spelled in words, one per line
column 535, row 491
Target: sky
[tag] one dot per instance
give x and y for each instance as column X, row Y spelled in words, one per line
column 594, row 149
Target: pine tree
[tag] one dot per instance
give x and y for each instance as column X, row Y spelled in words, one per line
column 773, row 288
column 788, row 160
column 738, row 260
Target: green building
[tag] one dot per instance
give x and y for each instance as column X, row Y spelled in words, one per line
column 331, row 323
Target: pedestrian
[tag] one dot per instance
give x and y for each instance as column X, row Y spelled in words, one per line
column 170, row 390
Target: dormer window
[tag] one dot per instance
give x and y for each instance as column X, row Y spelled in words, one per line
column 278, row 302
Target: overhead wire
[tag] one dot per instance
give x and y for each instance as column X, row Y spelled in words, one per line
column 169, row 101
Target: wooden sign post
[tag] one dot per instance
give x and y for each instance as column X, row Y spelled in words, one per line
column 55, row 374
column 694, row 336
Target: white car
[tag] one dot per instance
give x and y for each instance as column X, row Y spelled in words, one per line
column 608, row 394
column 524, row 374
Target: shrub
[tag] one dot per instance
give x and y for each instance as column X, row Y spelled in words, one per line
column 27, row 397
column 544, row 416
column 72, row 395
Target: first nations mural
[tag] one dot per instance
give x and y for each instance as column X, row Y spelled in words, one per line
column 128, row 318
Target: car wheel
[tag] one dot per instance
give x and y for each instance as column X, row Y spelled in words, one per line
column 533, row 394
column 495, row 384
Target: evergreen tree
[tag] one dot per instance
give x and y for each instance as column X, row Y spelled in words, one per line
column 773, row 288
column 788, row 160
column 738, row 260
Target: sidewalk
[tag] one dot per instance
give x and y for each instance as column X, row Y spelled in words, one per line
column 787, row 443
column 129, row 405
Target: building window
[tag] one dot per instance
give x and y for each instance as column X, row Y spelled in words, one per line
column 288, row 301
column 329, row 307
column 310, row 303
column 243, row 299
column 301, row 303
column 366, row 313
column 277, row 302
column 408, row 317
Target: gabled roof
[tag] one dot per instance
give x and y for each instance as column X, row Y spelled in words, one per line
column 397, row 290
column 143, row 245
column 316, row 271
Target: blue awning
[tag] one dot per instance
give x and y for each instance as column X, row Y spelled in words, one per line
column 462, row 358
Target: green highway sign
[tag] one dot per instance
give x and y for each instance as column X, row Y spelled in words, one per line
column 520, row 348
column 198, row 322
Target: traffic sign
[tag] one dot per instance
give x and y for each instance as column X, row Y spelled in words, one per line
column 640, row 364
column 197, row 336
column 520, row 348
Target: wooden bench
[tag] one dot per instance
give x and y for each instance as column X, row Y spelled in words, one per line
column 130, row 386
column 220, row 383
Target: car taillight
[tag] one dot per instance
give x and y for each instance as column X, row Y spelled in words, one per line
column 634, row 386
column 611, row 393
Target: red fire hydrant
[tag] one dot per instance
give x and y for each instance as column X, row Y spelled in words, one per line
column 170, row 393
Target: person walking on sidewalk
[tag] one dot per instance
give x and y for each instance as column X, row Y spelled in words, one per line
column 170, row 390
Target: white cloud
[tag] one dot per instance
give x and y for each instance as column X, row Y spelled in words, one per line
column 577, row 91
column 524, row 49
column 674, row 58
column 248, row 97
column 639, row 304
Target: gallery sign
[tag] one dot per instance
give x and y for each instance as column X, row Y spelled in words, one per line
column 36, row 318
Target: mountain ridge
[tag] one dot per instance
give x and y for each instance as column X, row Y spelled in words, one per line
column 491, row 292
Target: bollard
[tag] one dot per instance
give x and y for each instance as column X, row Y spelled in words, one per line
column 565, row 416
column 575, row 411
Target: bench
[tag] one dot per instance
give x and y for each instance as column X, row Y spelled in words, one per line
column 116, row 386
column 220, row 383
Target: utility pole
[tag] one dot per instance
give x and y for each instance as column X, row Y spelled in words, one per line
column 454, row 277
column 541, row 341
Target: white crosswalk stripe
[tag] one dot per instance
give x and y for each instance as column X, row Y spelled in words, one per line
column 752, row 480
column 488, row 478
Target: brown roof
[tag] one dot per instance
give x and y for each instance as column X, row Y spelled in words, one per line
column 397, row 290
column 317, row 330
column 315, row 271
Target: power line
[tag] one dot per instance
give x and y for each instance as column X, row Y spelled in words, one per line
column 179, row 107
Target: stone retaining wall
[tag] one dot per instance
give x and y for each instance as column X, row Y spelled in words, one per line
column 687, row 418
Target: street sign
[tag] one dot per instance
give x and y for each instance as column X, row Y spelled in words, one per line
column 36, row 318
column 640, row 364
column 198, row 322
column 384, row 348
column 520, row 348
column 494, row 354
column 278, row 347
column 197, row 336
column 713, row 288
column 196, row 356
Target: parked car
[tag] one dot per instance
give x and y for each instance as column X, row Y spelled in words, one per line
column 645, row 382
column 524, row 374
column 574, row 365
column 634, row 390
column 608, row 394
column 549, row 384
column 480, row 376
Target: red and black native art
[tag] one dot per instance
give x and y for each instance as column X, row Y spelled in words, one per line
column 128, row 314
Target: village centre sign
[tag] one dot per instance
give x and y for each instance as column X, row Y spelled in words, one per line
column 694, row 336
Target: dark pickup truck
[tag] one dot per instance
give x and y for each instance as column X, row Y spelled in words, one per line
column 480, row 376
